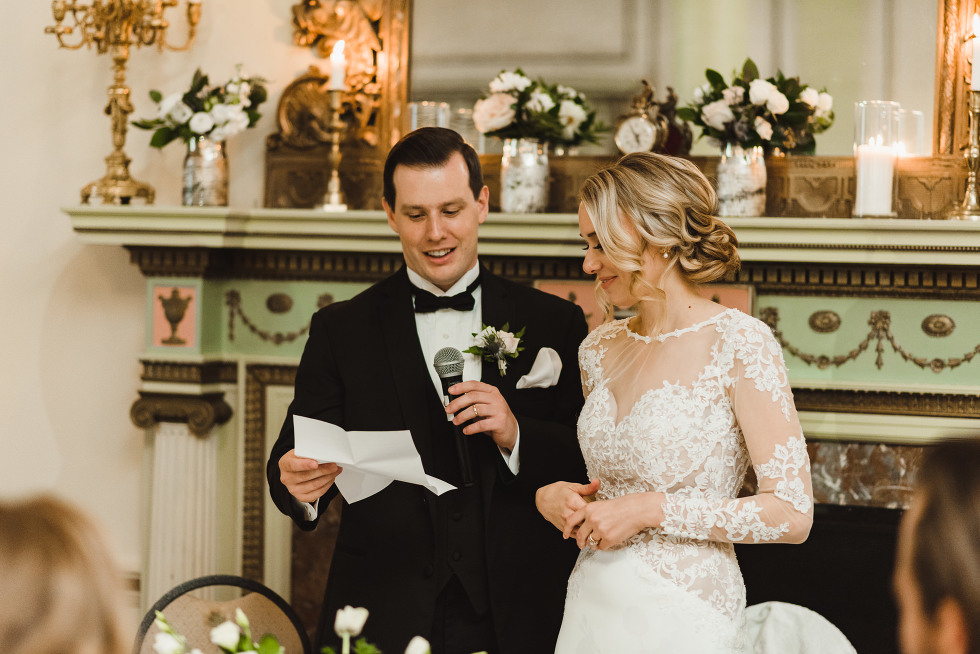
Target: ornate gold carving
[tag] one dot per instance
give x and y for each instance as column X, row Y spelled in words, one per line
column 946, row 405
column 321, row 23
column 880, row 323
column 951, row 76
column 201, row 412
column 173, row 261
column 233, row 299
column 938, row 325
column 257, row 379
column 824, row 322
column 279, row 303
column 211, row 372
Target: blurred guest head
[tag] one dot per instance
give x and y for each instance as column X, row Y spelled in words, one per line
column 937, row 573
column 61, row 591
column 653, row 217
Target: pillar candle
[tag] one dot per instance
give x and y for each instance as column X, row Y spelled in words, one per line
column 338, row 68
column 875, row 172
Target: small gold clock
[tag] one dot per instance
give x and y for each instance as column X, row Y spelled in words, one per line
column 643, row 129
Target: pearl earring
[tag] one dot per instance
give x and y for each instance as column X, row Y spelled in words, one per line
column 666, row 254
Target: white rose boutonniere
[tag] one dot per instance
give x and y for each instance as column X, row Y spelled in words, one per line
column 497, row 345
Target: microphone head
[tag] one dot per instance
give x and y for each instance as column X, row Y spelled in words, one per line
column 448, row 362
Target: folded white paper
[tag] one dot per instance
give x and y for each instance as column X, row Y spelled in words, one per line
column 371, row 459
column 544, row 373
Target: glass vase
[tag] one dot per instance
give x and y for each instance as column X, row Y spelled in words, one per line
column 741, row 181
column 524, row 176
column 205, row 181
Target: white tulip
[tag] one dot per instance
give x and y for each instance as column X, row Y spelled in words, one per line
column 418, row 645
column 226, row 635
column 350, row 621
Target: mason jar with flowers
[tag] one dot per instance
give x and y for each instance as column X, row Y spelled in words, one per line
column 752, row 118
column 204, row 117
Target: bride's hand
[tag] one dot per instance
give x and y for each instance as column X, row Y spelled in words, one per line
column 610, row 522
column 562, row 499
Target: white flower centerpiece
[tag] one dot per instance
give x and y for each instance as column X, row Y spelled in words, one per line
column 204, row 117
column 530, row 115
column 230, row 637
column 753, row 117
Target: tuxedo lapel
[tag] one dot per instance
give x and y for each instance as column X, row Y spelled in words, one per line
column 405, row 360
column 497, row 309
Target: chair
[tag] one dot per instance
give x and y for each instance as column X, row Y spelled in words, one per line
column 783, row 628
column 194, row 617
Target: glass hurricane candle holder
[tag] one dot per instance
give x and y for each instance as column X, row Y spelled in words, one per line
column 875, row 147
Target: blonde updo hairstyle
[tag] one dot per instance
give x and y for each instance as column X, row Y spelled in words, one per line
column 647, row 200
column 62, row 592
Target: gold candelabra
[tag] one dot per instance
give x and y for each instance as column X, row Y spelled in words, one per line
column 969, row 209
column 333, row 199
column 114, row 26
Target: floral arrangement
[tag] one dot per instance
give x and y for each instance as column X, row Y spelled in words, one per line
column 350, row 622
column 776, row 113
column 497, row 345
column 214, row 111
column 231, row 637
column 519, row 107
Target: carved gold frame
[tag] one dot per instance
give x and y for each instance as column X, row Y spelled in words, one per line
column 952, row 75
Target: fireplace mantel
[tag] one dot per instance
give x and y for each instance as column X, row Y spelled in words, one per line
column 791, row 240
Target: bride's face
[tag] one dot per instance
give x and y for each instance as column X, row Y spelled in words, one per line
column 612, row 280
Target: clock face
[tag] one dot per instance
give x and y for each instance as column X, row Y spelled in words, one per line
column 636, row 134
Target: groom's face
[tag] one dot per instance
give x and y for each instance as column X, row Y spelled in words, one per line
column 437, row 219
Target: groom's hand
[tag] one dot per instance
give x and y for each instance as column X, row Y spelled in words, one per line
column 487, row 408
column 305, row 479
column 559, row 501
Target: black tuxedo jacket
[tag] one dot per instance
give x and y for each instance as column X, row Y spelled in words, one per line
column 363, row 369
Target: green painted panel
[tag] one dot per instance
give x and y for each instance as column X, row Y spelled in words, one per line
column 903, row 321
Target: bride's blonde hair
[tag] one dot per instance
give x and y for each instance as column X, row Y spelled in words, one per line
column 648, row 200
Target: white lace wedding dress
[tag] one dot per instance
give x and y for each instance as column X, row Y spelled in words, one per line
column 684, row 414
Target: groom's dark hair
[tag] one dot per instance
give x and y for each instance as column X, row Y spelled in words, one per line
column 430, row 147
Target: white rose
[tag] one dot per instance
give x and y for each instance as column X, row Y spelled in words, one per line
column 777, row 103
column 167, row 104
column 201, row 123
column 760, row 90
column 540, row 101
column 810, row 96
column 222, row 113
column 824, row 104
column 507, row 81
column 417, row 645
column 733, row 94
column 226, row 635
column 181, row 113
column 570, row 115
column 763, row 128
column 350, row 621
column 494, row 112
column 716, row 114
column 510, row 342
column 165, row 643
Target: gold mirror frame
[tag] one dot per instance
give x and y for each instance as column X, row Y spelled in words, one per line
column 952, row 72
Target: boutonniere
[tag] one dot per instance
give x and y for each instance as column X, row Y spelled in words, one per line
column 497, row 345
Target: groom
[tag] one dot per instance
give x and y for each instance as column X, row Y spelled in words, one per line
column 475, row 569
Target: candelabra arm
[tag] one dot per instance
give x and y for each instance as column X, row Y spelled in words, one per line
column 969, row 209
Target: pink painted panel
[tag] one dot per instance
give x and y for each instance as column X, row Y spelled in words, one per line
column 174, row 316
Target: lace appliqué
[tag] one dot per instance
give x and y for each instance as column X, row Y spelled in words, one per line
column 785, row 465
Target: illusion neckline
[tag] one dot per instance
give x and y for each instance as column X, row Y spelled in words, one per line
column 660, row 338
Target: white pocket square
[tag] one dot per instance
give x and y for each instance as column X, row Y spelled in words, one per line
column 545, row 371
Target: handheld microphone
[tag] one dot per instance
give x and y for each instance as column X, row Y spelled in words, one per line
column 448, row 363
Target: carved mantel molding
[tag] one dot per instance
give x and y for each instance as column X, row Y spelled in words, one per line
column 202, row 413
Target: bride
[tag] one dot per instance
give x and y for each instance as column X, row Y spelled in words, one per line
column 680, row 399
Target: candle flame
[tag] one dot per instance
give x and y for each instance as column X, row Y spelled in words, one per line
column 338, row 50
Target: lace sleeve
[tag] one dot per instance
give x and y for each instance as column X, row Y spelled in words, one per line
column 782, row 510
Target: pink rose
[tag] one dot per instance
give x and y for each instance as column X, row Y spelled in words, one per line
column 494, row 112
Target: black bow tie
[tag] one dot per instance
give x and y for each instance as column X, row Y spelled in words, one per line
column 426, row 302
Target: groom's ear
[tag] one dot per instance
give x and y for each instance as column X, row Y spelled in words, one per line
column 390, row 213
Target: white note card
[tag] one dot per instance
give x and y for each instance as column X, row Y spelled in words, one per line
column 371, row 459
